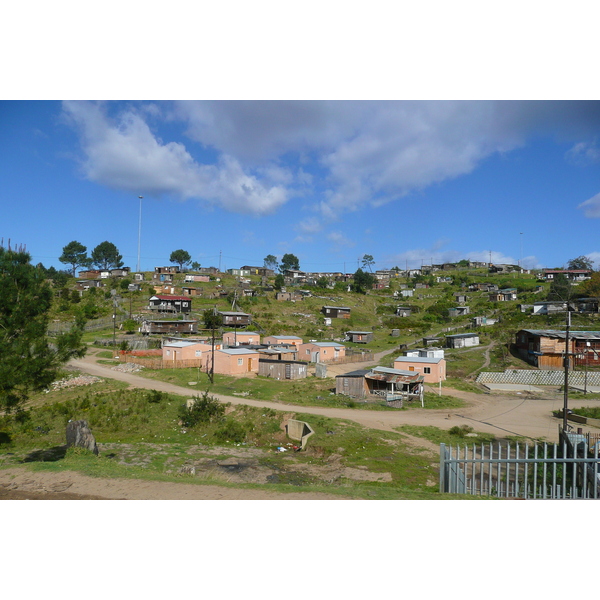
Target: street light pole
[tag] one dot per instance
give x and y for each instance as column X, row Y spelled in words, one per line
column 139, row 233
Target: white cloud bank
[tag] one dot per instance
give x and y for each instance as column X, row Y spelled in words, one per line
column 126, row 155
column 343, row 154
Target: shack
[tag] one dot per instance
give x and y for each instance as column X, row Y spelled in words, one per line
column 336, row 312
column 359, row 337
column 462, row 340
column 157, row 326
column 282, row 369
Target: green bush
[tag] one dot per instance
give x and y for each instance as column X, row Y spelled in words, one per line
column 205, row 409
column 154, row 396
column 460, row 431
column 231, row 431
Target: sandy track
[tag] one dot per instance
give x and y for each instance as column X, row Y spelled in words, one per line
column 522, row 415
column 21, row 484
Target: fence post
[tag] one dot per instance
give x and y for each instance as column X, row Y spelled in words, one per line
column 442, row 468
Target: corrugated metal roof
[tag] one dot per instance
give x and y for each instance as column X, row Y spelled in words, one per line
column 394, row 376
column 555, row 333
column 180, row 344
column 463, row 335
column 238, row 351
column 419, row 359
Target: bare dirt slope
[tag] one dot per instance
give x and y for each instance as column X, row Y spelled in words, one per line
column 20, row 484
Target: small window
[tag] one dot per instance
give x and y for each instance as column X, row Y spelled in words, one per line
column 198, row 352
column 240, row 361
column 427, row 370
column 168, row 353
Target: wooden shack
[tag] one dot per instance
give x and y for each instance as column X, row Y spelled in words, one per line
column 282, row 369
column 336, row 312
column 158, row 326
column 545, row 348
column 359, row 337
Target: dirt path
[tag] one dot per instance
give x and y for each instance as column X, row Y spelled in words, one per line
column 22, row 484
column 522, row 415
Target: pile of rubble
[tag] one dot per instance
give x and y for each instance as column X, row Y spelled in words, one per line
column 127, row 368
column 72, row 382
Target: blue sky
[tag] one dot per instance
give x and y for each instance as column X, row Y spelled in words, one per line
column 404, row 181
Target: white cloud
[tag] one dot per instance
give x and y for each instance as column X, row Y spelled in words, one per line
column 584, row 153
column 126, row 155
column 423, row 256
column 339, row 240
column 591, row 207
column 352, row 153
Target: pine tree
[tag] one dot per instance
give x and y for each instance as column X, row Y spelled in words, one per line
column 28, row 362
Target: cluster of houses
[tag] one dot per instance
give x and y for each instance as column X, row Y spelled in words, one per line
column 243, row 352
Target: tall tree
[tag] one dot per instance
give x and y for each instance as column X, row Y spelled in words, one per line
column 368, row 261
column 289, row 262
column 106, row 256
column 560, row 288
column 362, row 281
column 28, row 362
column 279, row 281
column 195, row 265
column 581, row 262
column 270, row 262
column 180, row 257
column 75, row 254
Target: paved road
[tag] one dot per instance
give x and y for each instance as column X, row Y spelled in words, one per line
column 523, row 415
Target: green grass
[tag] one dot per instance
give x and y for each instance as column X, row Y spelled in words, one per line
column 442, row 436
column 460, row 384
column 142, row 438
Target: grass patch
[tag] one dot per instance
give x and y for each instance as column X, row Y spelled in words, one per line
column 465, row 386
column 455, row 436
column 140, row 436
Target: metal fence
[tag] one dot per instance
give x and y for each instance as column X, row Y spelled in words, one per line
column 538, row 471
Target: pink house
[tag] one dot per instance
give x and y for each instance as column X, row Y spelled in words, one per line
column 187, row 350
column 241, row 338
column 276, row 340
column 433, row 369
column 233, row 361
column 321, row 351
column 176, row 351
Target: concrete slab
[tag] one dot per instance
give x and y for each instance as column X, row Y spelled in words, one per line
column 512, row 387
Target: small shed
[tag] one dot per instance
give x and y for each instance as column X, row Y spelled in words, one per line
column 336, row 312
column 282, row 369
column 458, row 311
column 360, row 337
column 403, row 311
column 235, row 319
column 159, row 326
column 462, row 340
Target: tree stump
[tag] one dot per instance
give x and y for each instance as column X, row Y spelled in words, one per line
column 79, row 434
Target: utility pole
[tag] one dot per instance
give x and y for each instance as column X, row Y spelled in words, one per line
column 566, row 389
column 220, row 251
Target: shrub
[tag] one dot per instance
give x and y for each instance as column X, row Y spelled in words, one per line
column 205, row 409
column 460, row 431
column 154, row 396
column 231, row 431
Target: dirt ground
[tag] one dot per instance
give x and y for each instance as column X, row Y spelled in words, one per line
column 20, row 484
column 521, row 414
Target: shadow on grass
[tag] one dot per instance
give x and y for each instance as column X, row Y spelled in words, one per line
column 5, row 438
column 47, row 455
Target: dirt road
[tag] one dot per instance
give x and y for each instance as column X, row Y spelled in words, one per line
column 523, row 415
